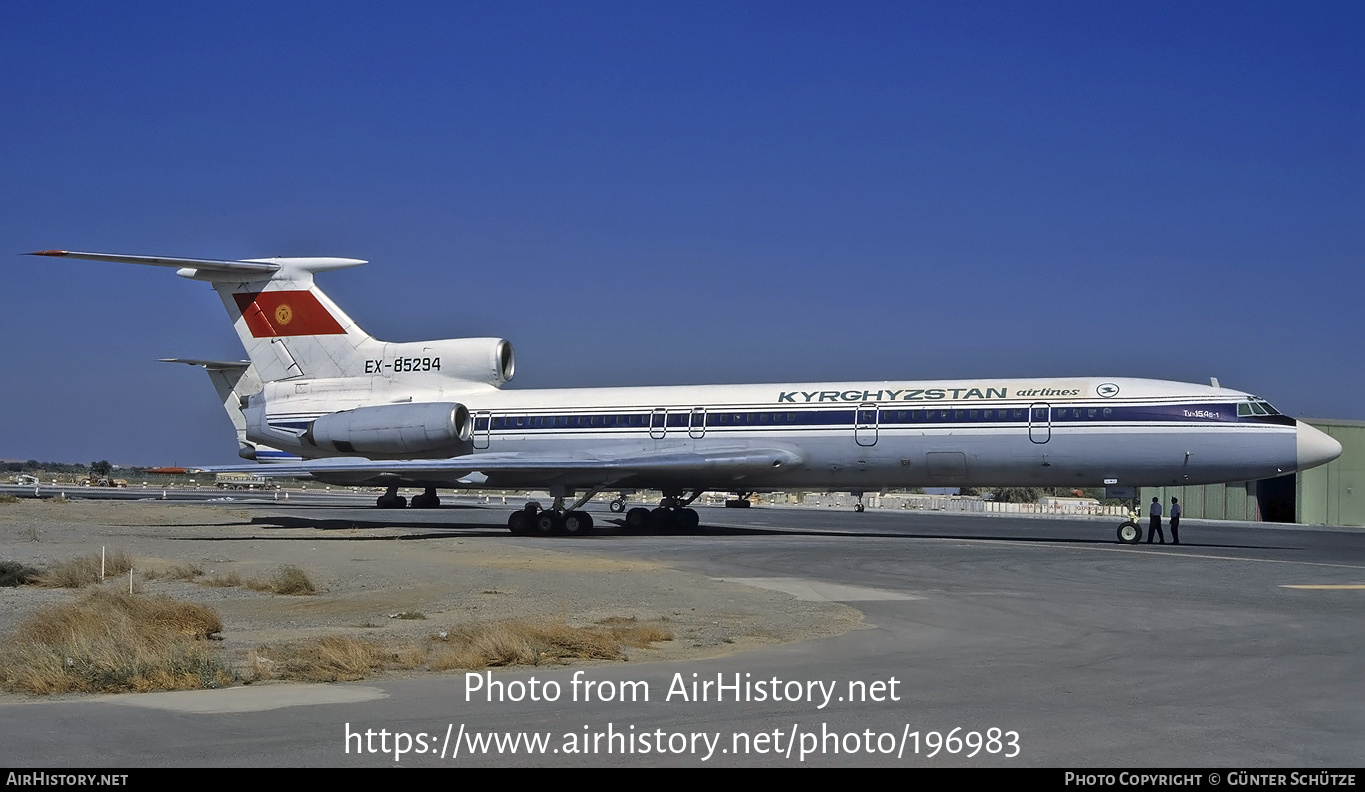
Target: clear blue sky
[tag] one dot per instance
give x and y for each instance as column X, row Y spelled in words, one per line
column 652, row 193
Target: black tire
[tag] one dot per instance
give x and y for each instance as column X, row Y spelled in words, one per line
column 618, row 506
column 687, row 519
column 637, row 520
column 519, row 523
column 1130, row 532
column 858, row 508
column 661, row 520
column 547, row 522
column 577, row 523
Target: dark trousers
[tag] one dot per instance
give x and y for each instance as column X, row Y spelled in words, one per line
column 1154, row 529
column 1175, row 528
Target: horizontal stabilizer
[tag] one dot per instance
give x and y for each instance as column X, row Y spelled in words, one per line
column 206, row 268
column 211, row 365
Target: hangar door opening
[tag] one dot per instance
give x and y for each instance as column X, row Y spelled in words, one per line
column 1278, row 499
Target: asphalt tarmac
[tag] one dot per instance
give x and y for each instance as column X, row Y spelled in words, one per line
column 988, row 641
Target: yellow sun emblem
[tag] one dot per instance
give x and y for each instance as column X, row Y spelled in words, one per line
column 284, row 314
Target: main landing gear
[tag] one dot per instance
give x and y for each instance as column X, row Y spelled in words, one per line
column 427, row 500
column 392, row 500
column 740, row 501
column 536, row 521
column 673, row 515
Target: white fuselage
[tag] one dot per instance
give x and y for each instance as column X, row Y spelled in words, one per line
column 858, row 436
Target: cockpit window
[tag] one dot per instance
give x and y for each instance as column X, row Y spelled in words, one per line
column 1256, row 407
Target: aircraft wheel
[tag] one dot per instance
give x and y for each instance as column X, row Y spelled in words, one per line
column 618, row 506
column 637, row 519
column 577, row 523
column 858, row 508
column 547, row 522
column 394, row 502
column 1130, row 532
column 687, row 519
column 519, row 523
column 661, row 519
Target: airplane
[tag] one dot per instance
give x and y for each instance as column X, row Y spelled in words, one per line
column 327, row 401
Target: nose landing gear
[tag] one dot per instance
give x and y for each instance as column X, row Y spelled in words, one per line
column 1130, row 530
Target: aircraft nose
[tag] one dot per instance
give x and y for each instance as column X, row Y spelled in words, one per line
column 1315, row 447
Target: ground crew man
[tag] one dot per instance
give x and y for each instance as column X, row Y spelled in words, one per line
column 1154, row 525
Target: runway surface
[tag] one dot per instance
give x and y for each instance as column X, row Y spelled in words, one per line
column 1042, row 642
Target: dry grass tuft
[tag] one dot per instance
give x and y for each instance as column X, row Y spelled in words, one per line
column 84, row 570
column 288, row 579
column 186, row 572
column 333, row 658
column 641, row 636
column 292, row 580
column 9, row 498
column 230, row 580
column 528, row 643
column 111, row 642
column 13, row 573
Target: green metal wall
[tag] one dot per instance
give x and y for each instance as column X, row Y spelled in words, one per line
column 1235, row 501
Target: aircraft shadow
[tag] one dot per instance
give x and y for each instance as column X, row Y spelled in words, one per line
column 609, row 530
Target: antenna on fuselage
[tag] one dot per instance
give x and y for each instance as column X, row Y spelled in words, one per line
column 1214, row 382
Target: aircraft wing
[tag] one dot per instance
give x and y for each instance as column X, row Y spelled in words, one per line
column 522, row 468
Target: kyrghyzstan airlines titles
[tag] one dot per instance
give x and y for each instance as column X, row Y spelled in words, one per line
column 920, row 394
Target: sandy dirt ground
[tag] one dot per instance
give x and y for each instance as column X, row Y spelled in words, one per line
column 366, row 576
